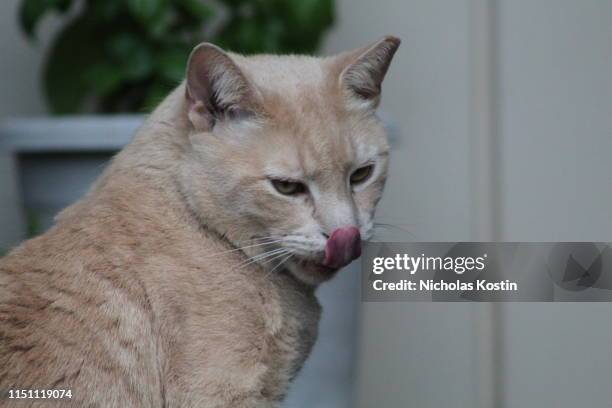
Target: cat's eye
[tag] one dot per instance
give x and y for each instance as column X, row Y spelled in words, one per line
column 361, row 174
column 287, row 187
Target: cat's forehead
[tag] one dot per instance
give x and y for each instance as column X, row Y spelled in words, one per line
column 290, row 74
column 318, row 150
column 299, row 92
column 308, row 122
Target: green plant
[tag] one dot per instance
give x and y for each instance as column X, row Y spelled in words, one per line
column 125, row 55
column 33, row 223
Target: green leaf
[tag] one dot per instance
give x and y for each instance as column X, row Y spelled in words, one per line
column 243, row 35
column 196, row 8
column 235, row 3
column 123, row 53
column 71, row 54
column 108, row 9
column 33, row 223
column 313, row 13
column 273, row 34
column 170, row 64
column 145, row 9
column 159, row 25
column 31, row 11
column 103, row 79
column 132, row 54
column 156, row 93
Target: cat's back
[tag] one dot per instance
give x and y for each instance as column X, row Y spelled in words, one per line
column 68, row 321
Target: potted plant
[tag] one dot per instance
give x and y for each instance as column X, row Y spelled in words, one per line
column 125, row 55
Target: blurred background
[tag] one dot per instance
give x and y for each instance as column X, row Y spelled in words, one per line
column 501, row 117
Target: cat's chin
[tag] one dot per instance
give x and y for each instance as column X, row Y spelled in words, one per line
column 310, row 272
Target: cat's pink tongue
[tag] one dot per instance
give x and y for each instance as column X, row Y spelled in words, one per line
column 343, row 245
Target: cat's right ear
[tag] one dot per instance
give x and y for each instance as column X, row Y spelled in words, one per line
column 364, row 69
column 216, row 89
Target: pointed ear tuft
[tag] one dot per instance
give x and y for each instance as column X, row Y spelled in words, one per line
column 366, row 68
column 216, row 88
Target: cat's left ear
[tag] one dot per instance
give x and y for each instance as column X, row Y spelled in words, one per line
column 364, row 69
column 216, row 88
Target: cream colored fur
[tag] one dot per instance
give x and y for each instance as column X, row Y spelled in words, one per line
column 140, row 295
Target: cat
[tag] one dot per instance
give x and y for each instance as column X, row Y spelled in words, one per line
column 186, row 276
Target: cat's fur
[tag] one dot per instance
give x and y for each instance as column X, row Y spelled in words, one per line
column 138, row 297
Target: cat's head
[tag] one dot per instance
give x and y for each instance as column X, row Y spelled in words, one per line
column 287, row 157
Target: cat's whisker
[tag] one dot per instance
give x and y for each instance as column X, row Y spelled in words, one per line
column 386, row 226
column 268, row 237
column 282, row 261
column 263, row 239
column 242, row 248
column 277, row 255
column 260, row 257
column 274, row 258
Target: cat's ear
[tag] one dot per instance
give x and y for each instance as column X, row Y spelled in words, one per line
column 364, row 69
column 216, row 88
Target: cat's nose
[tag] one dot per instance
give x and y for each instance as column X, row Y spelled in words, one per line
column 343, row 245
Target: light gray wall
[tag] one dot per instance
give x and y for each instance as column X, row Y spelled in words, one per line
column 550, row 94
column 20, row 95
column 427, row 93
column 555, row 127
column 555, row 108
column 19, row 88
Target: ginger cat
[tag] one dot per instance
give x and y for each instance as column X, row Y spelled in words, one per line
column 186, row 276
